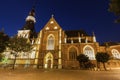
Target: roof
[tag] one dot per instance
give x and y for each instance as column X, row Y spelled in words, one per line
column 75, row 33
column 29, row 26
column 110, row 43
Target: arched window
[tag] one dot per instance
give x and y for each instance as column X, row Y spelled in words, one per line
column 72, row 54
column 115, row 54
column 50, row 43
column 88, row 50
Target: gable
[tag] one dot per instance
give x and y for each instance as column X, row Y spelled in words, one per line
column 52, row 25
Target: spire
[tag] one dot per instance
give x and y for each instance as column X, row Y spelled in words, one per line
column 31, row 16
column 52, row 15
column 30, row 24
column 93, row 33
column 32, row 12
column 94, row 37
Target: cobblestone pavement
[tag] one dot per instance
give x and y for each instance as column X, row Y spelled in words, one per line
column 51, row 74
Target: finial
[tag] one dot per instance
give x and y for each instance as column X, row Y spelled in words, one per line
column 34, row 4
column 52, row 15
column 93, row 33
column 94, row 37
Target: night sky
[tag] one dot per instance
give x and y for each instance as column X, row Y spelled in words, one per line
column 89, row 15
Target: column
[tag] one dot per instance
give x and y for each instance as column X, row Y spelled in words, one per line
column 60, row 60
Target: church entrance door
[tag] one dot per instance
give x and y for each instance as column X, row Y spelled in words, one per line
column 48, row 61
column 49, row 64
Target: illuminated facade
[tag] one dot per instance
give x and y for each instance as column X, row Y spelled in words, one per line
column 58, row 48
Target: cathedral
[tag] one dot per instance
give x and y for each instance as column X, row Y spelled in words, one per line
column 56, row 48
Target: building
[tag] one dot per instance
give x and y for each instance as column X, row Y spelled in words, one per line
column 58, row 48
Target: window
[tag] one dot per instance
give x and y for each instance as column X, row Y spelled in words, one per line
column 47, row 28
column 50, row 44
column 32, row 55
column 51, row 22
column 55, row 27
column 115, row 54
column 72, row 54
column 88, row 50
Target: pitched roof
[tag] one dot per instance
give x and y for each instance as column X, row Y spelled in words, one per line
column 110, row 43
column 75, row 33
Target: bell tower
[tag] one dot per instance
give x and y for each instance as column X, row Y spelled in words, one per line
column 28, row 30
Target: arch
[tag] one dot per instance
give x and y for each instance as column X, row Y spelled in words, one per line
column 115, row 53
column 72, row 53
column 50, row 42
column 48, row 60
column 89, row 51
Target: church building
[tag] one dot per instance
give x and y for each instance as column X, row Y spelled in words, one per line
column 58, row 48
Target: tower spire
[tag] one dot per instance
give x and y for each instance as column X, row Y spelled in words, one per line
column 29, row 28
column 31, row 16
column 52, row 15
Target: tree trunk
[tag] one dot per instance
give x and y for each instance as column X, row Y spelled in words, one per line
column 104, row 66
column 98, row 65
column 14, row 62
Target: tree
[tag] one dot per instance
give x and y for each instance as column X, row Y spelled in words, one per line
column 3, row 42
column 114, row 6
column 83, row 60
column 103, row 58
column 19, row 44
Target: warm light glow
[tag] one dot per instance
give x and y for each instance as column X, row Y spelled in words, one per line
column 30, row 18
column 115, row 54
column 47, row 28
column 51, row 22
column 55, row 27
column 89, row 51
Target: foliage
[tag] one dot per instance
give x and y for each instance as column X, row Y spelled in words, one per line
column 4, row 60
column 114, row 6
column 82, row 58
column 3, row 41
column 84, row 62
column 19, row 44
column 103, row 58
column 1, row 57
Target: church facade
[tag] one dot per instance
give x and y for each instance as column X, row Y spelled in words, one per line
column 58, row 48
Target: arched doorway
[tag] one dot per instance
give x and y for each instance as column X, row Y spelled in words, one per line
column 48, row 61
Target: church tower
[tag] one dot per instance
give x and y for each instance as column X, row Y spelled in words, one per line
column 28, row 30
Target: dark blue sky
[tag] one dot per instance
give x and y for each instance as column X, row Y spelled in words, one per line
column 89, row 15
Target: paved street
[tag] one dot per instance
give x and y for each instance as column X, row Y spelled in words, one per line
column 38, row 74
